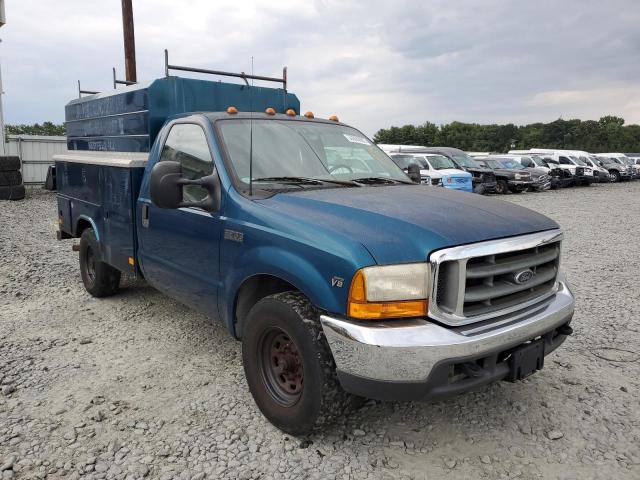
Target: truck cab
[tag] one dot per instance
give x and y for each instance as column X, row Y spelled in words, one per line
column 340, row 276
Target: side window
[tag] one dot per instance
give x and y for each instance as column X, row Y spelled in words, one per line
column 527, row 163
column 187, row 144
column 565, row 161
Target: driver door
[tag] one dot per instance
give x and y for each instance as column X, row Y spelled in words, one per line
column 179, row 248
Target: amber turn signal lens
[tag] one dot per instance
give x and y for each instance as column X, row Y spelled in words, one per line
column 309, row 115
column 291, row 112
column 232, row 110
column 270, row 111
column 334, row 118
column 382, row 310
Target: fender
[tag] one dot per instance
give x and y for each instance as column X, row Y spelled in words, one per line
column 313, row 280
column 90, row 220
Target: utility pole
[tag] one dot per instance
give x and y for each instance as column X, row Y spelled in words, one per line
column 129, row 41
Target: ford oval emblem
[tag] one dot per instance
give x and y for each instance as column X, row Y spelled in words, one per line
column 523, row 276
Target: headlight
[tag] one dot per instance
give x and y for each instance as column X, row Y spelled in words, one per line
column 390, row 291
column 518, row 176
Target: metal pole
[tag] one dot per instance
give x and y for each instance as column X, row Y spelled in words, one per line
column 129, row 42
column 4, row 138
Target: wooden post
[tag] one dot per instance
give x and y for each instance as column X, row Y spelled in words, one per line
column 129, row 41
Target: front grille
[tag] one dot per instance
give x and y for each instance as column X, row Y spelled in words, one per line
column 579, row 171
column 460, row 180
column 435, row 181
column 480, row 286
column 489, row 178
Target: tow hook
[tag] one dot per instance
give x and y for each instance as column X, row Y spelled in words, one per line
column 75, row 247
column 565, row 330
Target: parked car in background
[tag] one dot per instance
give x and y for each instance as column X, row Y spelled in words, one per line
column 440, row 169
column 633, row 164
column 600, row 174
column 507, row 180
column 528, row 160
column 539, row 176
column 404, row 160
column 618, row 170
column 583, row 174
column 484, row 180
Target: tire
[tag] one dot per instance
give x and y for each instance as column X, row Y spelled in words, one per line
column 515, row 190
column 13, row 192
column 289, row 367
column 616, row 176
column 10, row 178
column 9, row 163
column 502, row 187
column 99, row 278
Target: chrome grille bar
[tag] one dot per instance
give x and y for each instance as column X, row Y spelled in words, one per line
column 476, row 282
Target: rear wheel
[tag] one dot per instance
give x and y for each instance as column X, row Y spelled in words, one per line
column 502, row 187
column 99, row 278
column 289, row 367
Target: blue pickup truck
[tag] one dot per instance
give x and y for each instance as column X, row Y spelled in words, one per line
column 341, row 277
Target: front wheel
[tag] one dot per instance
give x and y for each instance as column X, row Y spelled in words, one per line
column 288, row 365
column 502, row 187
column 615, row 176
column 99, row 278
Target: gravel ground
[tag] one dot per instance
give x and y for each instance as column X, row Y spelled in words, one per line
column 139, row 386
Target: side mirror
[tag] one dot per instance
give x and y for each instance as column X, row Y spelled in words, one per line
column 414, row 172
column 166, row 184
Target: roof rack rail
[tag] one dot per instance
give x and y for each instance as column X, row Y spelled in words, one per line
column 242, row 75
column 117, row 82
column 84, row 92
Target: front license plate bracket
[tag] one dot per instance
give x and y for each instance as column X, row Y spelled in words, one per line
column 526, row 360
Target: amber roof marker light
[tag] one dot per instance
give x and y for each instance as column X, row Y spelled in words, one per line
column 334, row 118
column 309, row 115
column 270, row 111
column 291, row 112
column 232, row 110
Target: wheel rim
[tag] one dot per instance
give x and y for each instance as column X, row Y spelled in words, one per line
column 90, row 262
column 280, row 366
column 500, row 188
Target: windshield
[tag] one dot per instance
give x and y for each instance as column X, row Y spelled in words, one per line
column 538, row 161
column 465, row 160
column 579, row 161
column 403, row 161
column 440, row 162
column 510, row 164
column 311, row 150
column 492, row 163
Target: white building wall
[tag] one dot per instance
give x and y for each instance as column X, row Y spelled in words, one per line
column 36, row 153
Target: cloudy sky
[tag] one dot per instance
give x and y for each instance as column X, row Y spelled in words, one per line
column 374, row 63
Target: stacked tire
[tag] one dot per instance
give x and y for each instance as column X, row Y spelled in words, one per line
column 11, row 186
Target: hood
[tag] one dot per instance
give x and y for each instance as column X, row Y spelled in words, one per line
column 453, row 172
column 478, row 169
column 510, row 173
column 405, row 223
column 536, row 172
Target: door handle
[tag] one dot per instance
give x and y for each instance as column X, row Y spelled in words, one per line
column 145, row 215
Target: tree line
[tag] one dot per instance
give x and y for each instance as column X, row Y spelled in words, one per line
column 609, row 134
column 47, row 128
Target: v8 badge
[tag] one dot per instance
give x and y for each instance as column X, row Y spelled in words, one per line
column 337, row 282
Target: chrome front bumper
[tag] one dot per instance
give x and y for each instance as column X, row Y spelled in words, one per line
column 408, row 351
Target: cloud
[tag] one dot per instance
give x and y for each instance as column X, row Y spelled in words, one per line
column 375, row 64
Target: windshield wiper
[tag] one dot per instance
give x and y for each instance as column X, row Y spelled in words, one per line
column 380, row 181
column 304, row 181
